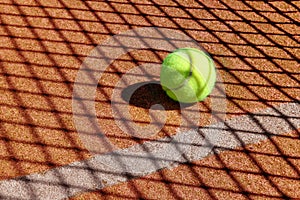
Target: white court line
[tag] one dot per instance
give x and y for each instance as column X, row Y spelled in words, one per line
column 62, row 182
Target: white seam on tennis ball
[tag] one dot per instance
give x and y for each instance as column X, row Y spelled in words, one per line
column 212, row 72
column 186, row 57
column 208, row 85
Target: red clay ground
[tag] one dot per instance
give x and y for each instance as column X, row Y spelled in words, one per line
column 256, row 49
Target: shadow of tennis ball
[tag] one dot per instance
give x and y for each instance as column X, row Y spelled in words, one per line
column 149, row 94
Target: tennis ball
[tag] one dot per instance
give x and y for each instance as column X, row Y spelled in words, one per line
column 188, row 75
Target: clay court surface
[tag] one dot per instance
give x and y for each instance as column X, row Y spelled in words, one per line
column 254, row 44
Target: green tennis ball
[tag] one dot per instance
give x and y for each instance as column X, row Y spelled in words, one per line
column 188, row 75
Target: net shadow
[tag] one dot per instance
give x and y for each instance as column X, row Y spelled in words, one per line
column 254, row 44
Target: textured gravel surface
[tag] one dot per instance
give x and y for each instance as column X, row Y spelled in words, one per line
column 109, row 169
column 255, row 46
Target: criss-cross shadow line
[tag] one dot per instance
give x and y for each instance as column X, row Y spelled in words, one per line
column 267, row 37
column 256, row 95
column 27, row 116
column 30, row 121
